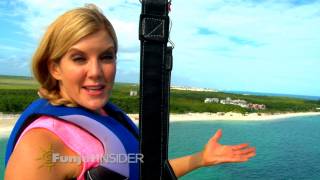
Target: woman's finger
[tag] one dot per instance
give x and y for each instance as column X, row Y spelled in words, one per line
column 246, row 151
column 250, row 155
column 238, row 159
column 243, row 158
column 217, row 136
column 240, row 146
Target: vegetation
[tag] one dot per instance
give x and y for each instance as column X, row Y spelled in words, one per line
column 16, row 93
column 15, row 100
column 193, row 102
column 17, row 82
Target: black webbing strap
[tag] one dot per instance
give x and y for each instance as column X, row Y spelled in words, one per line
column 155, row 68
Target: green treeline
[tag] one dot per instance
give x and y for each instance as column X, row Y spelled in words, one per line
column 16, row 100
column 16, row 93
column 188, row 101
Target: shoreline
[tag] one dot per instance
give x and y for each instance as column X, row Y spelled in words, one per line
column 230, row 116
column 7, row 121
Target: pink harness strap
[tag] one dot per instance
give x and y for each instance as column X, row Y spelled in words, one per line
column 80, row 141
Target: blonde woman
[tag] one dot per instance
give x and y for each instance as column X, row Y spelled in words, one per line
column 72, row 132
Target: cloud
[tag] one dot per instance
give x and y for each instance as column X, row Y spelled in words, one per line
column 14, row 65
column 38, row 14
column 4, row 47
column 243, row 41
column 30, row 18
column 127, row 71
column 130, row 49
column 132, row 56
column 206, row 31
column 273, row 24
column 302, row 2
column 219, row 37
column 217, row 43
column 35, row 19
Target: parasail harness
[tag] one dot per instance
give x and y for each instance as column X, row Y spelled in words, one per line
column 155, row 69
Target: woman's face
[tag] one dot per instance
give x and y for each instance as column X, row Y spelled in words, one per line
column 86, row 72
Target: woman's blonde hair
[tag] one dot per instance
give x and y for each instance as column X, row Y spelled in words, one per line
column 63, row 33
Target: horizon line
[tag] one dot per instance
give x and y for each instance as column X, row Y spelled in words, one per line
column 243, row 92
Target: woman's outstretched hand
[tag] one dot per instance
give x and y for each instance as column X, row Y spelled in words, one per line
column 215, row 153
column 212, row 154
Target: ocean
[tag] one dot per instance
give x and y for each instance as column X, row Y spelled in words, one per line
column 306, row 97
column 286, row 148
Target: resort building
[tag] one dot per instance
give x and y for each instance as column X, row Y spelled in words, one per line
column 193, row 89
column 133, row 93
column 257, row 106
column 237, row 102
column 211, row 100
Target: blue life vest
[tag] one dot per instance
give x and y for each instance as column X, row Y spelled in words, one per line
column 117, row 133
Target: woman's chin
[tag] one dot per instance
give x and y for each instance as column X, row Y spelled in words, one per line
column 95, row 105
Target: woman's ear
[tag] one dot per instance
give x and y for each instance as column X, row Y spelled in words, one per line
column 54, row 70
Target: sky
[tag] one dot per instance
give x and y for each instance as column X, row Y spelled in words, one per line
column 267, row 46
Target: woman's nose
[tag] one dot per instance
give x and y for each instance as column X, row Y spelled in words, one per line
column 94, row 69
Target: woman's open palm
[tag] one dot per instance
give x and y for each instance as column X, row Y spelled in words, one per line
column 215, row 153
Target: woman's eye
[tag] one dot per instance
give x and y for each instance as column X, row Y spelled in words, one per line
column 78, row 58
column 107, row 57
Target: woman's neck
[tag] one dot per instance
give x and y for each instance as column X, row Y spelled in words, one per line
column 102, row 112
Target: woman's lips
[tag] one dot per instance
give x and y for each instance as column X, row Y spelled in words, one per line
column 94, row 90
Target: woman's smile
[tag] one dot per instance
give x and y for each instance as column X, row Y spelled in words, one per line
column 94, row 90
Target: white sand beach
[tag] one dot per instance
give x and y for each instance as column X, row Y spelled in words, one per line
column 7, row 121
column 230, row 116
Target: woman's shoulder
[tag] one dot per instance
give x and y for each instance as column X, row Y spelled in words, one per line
column 33, row 157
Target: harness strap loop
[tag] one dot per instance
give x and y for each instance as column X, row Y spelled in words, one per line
column 155, row 69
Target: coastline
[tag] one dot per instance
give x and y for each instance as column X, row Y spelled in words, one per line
column 7, row 121
column 230, row 116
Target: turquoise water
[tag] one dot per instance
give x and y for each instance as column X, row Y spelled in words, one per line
column 286, row 149
column 3, row 143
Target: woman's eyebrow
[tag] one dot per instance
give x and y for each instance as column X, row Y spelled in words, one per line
column 74, row 49
column 107, row 50
column 111, row 48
